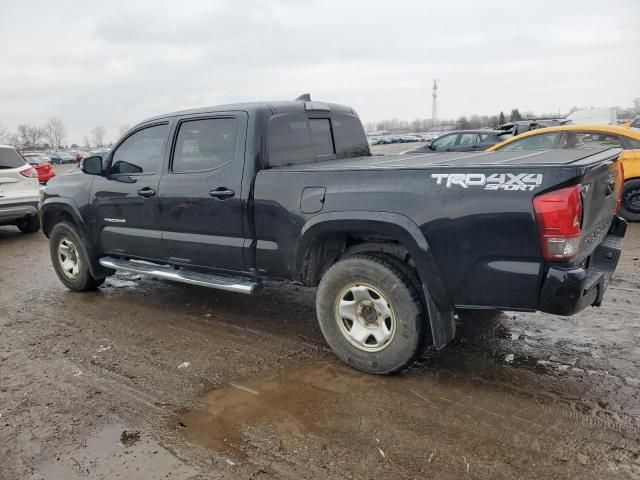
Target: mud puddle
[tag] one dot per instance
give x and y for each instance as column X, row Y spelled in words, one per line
column 292, row 405
column 115, row 452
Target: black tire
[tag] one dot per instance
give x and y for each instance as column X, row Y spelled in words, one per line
column 379, row 275
column 80, row 281
column 29, row 225
column 630, row 209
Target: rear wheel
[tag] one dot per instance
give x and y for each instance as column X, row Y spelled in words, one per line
column 29, row 225
column 371, row 313
column 630, row 209
column 70, row 259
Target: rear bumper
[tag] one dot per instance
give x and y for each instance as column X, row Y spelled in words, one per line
column 12, row 213
column 566, row 291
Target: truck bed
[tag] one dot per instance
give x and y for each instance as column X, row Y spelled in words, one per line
column 539, row 158
column 475, row 211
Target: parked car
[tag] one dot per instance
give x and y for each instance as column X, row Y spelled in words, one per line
column 461, row 141
column 588, row 137
column 227, row 197
column 19, row 191
column 66, row 157
column 522, row 126
column 633, row 123
column 79, row 154
column 54, row 156
column 42, row 165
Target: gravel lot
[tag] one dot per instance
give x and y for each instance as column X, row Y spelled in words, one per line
column 151, row 379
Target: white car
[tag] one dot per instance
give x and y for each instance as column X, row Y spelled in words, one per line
column 19, row 191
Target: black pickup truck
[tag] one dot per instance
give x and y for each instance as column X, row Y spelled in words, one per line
column 226, row 197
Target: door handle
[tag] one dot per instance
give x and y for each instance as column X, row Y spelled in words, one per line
column 222, row 193
column 146, row 192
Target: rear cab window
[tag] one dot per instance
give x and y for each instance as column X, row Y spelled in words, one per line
column 10, row 158
column 296, row 139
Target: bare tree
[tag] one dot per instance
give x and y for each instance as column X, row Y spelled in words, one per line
column 4, row 134
column 29, row 136
column 636, row 105
column 123, row 129
column 85, row 142
column 55, row 132
column 98, row 134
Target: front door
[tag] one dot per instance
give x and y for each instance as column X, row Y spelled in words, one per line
column 200, row 195
column 125, row 202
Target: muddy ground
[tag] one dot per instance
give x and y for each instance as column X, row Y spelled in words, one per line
column 151, row 379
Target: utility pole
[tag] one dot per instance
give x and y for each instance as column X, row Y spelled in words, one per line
column 434, row 105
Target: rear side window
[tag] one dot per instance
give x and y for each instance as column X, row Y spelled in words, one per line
column 141, row 152
column 296, row 139
column 634, row 143
column 544, row 141
column 590, row 140
column 204, row 144
column 10, row 158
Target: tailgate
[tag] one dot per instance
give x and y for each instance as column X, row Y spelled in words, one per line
column 601, row 190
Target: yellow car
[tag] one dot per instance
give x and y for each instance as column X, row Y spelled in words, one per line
column 590, row 136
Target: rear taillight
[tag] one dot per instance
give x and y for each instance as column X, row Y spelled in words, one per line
column 620, row 183
column 559, row 217
column 29, row 173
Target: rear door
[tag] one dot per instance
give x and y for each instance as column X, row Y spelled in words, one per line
column 125, row 203
column 632, row 158
column 200, row 193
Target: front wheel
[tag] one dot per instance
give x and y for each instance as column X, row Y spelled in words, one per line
column 70, row 260
column 371, row 313
column 630, row 208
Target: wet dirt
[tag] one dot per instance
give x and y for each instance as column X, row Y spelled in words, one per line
column 224, row 386
column 105, row 455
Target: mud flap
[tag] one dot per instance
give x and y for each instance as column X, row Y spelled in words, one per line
column 442, row 320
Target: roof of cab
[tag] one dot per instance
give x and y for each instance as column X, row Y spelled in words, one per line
column 290, row 106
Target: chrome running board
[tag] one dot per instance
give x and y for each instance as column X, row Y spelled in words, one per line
column 230, row 284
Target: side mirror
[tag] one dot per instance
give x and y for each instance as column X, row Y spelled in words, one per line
column 91, row 165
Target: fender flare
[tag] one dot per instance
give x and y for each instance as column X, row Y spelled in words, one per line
column 439, row 305
column 67, row 205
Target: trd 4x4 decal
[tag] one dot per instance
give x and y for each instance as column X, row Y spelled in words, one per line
column 495, row 181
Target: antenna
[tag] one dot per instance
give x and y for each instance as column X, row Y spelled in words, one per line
column 305, row 97
column 434, row 104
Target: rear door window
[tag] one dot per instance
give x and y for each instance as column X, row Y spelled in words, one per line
column 204, row 144
column 468, row 138
column 10, row 158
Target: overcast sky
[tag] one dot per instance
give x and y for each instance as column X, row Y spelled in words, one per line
column 112, row 63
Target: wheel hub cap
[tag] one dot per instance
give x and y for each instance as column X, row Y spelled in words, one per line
column 68, row 258
column 365, row 317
